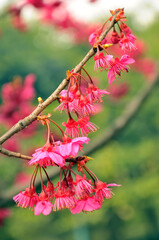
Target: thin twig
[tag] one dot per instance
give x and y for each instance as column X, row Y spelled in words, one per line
column 14, row 154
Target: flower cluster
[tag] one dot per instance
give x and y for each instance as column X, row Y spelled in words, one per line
column 105, row 61
column 80, row 99
column 81, row 190
column 73, row 191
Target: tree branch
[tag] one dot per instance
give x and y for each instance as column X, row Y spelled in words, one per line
column 32, row 117
column 14, row 154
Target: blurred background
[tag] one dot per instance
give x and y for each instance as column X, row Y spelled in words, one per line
column 35, row 52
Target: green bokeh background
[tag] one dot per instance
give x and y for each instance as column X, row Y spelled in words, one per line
column 130, row 159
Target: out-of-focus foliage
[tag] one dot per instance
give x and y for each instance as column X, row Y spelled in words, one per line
column 36, row 51
column 131, row 159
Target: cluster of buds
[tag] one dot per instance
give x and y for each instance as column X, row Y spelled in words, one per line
column 74, row 191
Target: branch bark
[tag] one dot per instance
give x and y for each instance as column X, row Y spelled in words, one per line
column 14, row 154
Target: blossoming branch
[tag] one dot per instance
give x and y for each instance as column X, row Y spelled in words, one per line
column 81, row 190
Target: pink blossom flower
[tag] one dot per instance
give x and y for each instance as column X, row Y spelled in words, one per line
column 83, row 187
column 27, row 198
column 102, row 190
column 127, row 42
column 94, row 36
column 95, row 94
column 117, row 66
column 67, row 101
column 64, row 199
column 44, row 207
column 47, row 156
column 72, row 146
column 85, row 107
column 71, row 128
column 101, row 62
column 86, row 205
column 85, row 126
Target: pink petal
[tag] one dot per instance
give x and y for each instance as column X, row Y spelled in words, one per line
column 44, row 207
column 81, row 140
column 75, row 149
column 38, row 208
column 78, row 208
column 91, row 205
column 55, row 157
column 126, row 59
column 65, row 149
column 108, row 57
column 111, row 76
column 48, row 209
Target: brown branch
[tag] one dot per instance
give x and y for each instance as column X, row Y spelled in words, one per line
column 33, row 116
column 14, row 154
column 119, row 124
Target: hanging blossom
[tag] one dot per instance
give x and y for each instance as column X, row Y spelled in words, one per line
column 73, row 191
column 54, row 152
column 126, row 41
column 43, row 206
column 81, row 100
column 114, row 65
column 101, row 62
column 47, row 156
column 117, row 66
column 78, row 188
